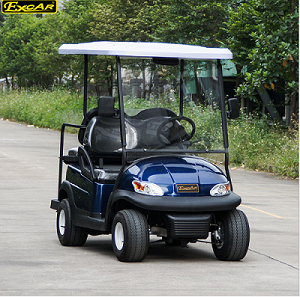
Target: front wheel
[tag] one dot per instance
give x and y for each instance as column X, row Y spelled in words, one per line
column 130, row 235
column 231, row 238
column 68, row 234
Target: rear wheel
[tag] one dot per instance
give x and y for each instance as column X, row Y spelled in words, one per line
column 232, row 236
column 68, row 234
column 130, row 235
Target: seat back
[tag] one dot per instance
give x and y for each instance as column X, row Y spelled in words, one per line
column 154, row 113
column 105, row 109
column 102, row 135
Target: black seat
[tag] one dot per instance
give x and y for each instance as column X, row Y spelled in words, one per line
column 102, row 134
column 100, row 157
column 105, row 109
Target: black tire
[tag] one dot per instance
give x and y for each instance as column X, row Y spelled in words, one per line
column 130, row 235
column 68, row 234
column 232, row 239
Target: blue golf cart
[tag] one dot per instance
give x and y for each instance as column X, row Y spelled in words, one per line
column 139, row 168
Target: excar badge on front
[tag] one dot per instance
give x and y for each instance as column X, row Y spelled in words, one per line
column 190, row 188
column 28, row 7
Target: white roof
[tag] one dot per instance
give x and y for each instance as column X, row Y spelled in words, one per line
column 146, row 50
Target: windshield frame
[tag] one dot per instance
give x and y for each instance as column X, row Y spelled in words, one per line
column 181, row 113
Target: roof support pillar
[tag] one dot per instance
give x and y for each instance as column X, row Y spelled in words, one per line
column 181, row 86
column 85, row 84
column 224, row 119
column 122, row 112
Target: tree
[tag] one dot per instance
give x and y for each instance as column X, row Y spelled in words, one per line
column 190, row 21
column 274, row 56
column 48, row 40
column 124, row 20
column 242, row 20
column 17, row 52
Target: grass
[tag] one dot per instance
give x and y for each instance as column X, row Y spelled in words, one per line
column 253, row 142
column 47, row 109
column 257, row 145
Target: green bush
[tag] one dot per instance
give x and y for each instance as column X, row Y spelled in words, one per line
column 256, row 144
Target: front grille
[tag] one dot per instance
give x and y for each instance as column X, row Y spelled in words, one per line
column 190, row 228
column 188, row 225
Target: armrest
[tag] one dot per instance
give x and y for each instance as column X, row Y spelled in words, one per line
column 86, row 164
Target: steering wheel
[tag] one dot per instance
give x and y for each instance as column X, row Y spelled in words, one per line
column 171, row 131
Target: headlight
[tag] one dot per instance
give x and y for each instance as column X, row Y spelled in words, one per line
column 147, row 188
column 220, row 189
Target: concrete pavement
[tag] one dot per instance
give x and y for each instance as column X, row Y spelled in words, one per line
column 32, row 262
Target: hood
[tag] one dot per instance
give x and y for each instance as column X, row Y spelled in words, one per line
column 175, row 174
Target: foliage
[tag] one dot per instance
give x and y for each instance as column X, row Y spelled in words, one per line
column 77, row 16
column 29, row 50
column 190, row 21
column 242, row 21
column 17, row 54
column 207, row 119
column 29, row 45
column 272, row 48
column 124, row 20
column 48, row 40
column 256, row 144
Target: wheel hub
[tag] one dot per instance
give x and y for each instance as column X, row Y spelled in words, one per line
column 218, row 236
column 119, row 236
column 62, row 222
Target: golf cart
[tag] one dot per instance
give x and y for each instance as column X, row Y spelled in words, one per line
column 139, row 169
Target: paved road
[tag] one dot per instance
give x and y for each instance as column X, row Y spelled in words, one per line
column 32, row 262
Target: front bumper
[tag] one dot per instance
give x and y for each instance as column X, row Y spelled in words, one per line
column 179, row 203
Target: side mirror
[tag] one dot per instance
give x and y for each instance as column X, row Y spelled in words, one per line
column 233, row 108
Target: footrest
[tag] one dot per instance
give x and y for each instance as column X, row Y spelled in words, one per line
column 54, row 204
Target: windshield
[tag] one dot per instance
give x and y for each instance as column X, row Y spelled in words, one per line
column 151, row 95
